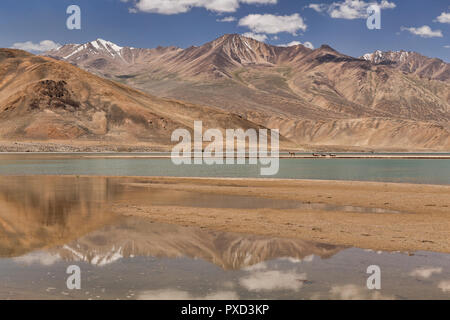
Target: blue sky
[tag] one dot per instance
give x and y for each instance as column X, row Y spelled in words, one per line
column 413, row 25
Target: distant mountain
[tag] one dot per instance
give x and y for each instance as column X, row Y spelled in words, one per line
column 104, row 56
column 320, row 98
column 412, row 62
column 42, row 99
column 215, row 59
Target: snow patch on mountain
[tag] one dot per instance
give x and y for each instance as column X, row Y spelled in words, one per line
column 96, row 47
column 380, row 56
column 96, row 258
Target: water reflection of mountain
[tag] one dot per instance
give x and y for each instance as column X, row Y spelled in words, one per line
column 70, row 217
column 41, row 212
column 140, row 237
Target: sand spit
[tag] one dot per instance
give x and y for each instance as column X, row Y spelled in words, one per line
column 371, row 215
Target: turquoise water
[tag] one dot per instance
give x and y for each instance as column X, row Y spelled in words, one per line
column 423, row 171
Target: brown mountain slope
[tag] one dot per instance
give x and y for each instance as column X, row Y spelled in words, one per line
column 315, row 97
column 45, row 99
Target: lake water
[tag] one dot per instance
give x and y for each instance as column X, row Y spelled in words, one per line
column 426, row 171
column 49, row 223
column 137, row 260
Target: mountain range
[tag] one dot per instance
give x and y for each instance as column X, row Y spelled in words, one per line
column 42, row 99
column 319, row 99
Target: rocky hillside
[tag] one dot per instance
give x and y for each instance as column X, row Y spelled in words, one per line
column 42, row 99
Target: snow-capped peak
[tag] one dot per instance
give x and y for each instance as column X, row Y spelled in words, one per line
column 96, row 258
column 379, row 56
column 112, row 48
column 98, row 46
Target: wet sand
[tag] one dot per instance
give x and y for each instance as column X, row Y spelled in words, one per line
column 399, row 217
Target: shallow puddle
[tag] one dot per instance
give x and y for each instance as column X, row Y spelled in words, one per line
column 244, row 202
column 224, row 201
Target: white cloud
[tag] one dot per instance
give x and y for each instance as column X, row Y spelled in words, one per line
column 425, row 273
column 272, row 24
column 182, row 6
column 43, row 258
column 444, row 286
column 309, row 258
column 256, row 267
column 319, row 7
column 226, row 19
column 444, row 18
column 352, row 292
column 350, row 9
column 42, row 46
column 259, row 1
column 256, row 36
column 174, row 294
column 290, row 44
column 424, row 32
column 273, row 280
column 307, row 44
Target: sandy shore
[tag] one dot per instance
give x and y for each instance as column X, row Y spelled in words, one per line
column 120, row 150
column 75, row 146
column 139, row 154
column 378, row 216
column 298, row 156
